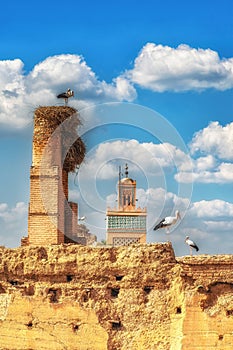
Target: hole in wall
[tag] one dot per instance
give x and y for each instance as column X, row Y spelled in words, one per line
column 14, row 283
column 119, row 277
column 229, row 312
column 115, row 292
column 116, row 325
column 147, row 289
column 220, row 337
column 75, row 327
column 69, row 278
column 178, row 310
column 54, row 295
column 29, row 324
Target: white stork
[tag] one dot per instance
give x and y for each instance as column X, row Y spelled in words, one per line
column 191, row 245
column 66, row 95
column 167, row 222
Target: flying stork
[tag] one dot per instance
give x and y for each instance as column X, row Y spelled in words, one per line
column 167, row 222
column 66, row 95
column 191, row 245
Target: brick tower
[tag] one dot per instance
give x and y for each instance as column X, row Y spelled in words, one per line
column 126, row 224
column 56, row 151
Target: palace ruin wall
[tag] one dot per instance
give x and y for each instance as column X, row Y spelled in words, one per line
column 139, row 297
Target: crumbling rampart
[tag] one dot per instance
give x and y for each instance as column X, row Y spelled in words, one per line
column 137, row 298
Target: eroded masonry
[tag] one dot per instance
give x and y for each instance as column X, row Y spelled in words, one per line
column 136, row 297
column 56, row 151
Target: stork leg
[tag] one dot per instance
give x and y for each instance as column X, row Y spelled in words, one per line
column 168, row 234
column 191, row 251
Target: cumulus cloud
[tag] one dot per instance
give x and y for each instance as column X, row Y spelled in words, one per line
column 223, row 173
column 157, row 67
column 212, row 209
column 163, row 68
column 214, row 139
column 21, row 93
column 209, row 148
column 159, row 159
column 151, row 158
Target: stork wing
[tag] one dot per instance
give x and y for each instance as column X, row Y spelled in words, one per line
column 159, row 225
column 62, row 95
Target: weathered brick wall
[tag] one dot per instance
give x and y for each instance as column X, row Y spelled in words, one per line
column 48, row 205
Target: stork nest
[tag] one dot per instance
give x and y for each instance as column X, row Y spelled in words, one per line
column 48, row 119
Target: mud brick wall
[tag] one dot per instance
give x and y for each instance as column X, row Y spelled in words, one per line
column 134, row 298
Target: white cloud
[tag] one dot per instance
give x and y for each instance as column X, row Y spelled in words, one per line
column 212, row 209
column 3, row 207
column 159, row 68
column 12, row 92
column 204, row 163
column 21, row 93
column 219, row 226
column 13, row 223
column 220, row 175
column 149, row 157
column 60, row 72
column 11, row 72
column 162, row 68
column 215, row 142
column 12, row 215
column 215, row 139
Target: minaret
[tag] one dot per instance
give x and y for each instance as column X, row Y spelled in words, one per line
column 126, row 224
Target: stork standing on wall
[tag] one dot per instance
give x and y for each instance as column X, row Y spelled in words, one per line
column 191, row 245
column 66, row 95
column 167, row 222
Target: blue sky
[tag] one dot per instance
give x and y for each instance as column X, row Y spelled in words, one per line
column 154, row 78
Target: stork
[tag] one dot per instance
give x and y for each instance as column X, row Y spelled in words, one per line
column 191, row 245
column 167, row 222
column 66, row 95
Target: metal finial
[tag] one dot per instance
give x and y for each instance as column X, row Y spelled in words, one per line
column 126, row 170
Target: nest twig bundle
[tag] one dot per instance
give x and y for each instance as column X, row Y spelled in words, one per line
column 48, row 119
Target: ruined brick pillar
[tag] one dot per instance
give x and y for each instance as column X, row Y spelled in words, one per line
column 50, row 214
column 71, row 222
